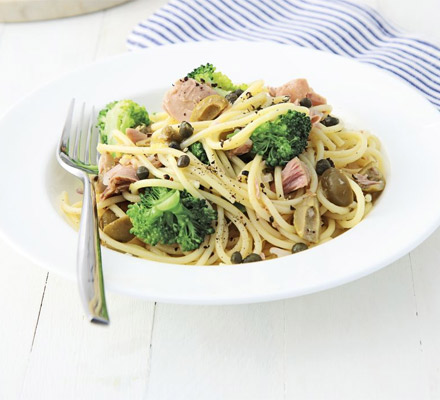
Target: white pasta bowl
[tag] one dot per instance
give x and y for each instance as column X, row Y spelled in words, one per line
column 363, row 96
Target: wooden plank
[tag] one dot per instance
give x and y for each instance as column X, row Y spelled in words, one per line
column 113, row 40
column 21, row 286
column 229, row 352
column 32, row 10
column 358, row 341
column 69, row 355
column 36, row 53
column 425, row 267
column 74, row 359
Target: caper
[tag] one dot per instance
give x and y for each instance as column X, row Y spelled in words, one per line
column 236, row 258
column 336, row 187
column 174, row 145
column 324, row 164
column 233, row 96
column 305, row 102
column 142, row 172
column 330, row 121
column 297, row 247
column 185, row 130
column 183, row 161
column 252, row 258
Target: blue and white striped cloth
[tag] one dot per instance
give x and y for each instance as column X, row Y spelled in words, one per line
column 337, row 26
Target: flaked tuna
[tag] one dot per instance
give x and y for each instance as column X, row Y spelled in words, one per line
column 118, row 179
column 135, row 135
column 294, row 175
column 181, row 99
column 298, row 89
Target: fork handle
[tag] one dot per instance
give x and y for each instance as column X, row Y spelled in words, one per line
column 90, row 276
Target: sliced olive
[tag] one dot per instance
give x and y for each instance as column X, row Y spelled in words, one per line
column 169, row 133
column 330, row 121
column 297, row 247
column 185, row 130
column 142, row 172
column 209, row 108
column 324, row 164
column 305, row 102
column 174, row 145
column 183, row 161
column 307, row 220
column 107, row 218
column 336, row 187
column 236, row 258
column 120, row 229
column 253, row 257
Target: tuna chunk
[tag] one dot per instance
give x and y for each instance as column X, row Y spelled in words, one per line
column 243, row 149
column 297, row 89
column 106, row 162
column 136, row 136
column 181, row 99
column 294, row 175
column 315, row 116
column 155, row 161
column 118, row 179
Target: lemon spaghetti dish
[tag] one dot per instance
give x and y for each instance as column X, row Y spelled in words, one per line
column 230, row 174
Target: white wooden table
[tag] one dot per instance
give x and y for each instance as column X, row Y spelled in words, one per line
column 376, row 338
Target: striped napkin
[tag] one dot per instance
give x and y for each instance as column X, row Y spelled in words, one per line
column 336, row 26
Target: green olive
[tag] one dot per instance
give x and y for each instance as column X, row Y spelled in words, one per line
column 253, row 257
column 336, row 187
column 185, row 130
column 236, row 258
column 297, row 247
column 209, row 108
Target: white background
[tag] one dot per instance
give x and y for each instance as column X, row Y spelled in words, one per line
column 376, row 338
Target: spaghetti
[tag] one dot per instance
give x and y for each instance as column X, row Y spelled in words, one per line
column 257, row 213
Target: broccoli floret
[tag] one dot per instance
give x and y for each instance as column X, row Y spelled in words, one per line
column 120, row 115
column 219, row 82
column 198, row 150
column 284, row 138
column 169, row 216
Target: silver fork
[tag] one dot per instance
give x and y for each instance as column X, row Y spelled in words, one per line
column 76, row 153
